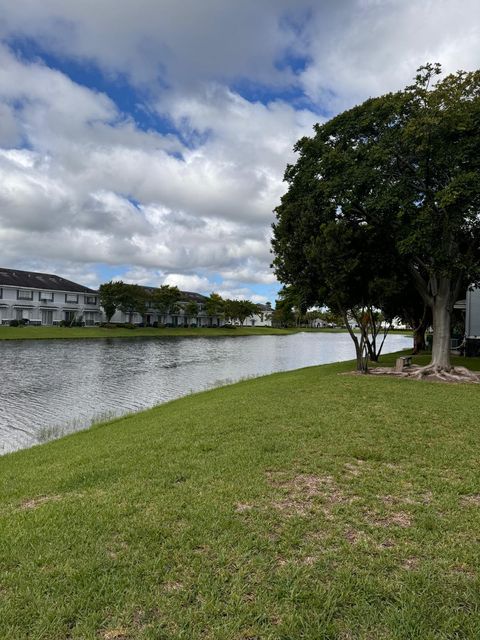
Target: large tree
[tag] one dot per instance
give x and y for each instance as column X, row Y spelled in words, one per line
column 399, row 176
column 436, row 178
column 325, row 251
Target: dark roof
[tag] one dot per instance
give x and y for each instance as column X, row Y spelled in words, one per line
column 191, row 296
column 185, row 296
column 32, row 280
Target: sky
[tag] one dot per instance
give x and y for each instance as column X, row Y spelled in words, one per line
column 146, row 140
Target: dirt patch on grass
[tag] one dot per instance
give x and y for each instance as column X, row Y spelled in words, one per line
column 34, row 503
column 116, row 634
column 240, row 507
column 173, row 586
column 390, row 500
column 387, row 544
column 303, row 493
column 463, row 569
column 353, row 536
column 354, row 468
column 410, row 564
column 471, row 501
column 395, row 519
column 117, row 548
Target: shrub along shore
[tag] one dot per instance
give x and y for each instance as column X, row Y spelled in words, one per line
column 309, row 504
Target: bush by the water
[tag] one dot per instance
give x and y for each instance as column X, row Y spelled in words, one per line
column 118, row 325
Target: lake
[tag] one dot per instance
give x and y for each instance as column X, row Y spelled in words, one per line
column 52, row 387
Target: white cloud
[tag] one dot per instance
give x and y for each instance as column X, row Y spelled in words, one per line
column 82, row 184
column 184, row 43
column 74, row 195
column 363, row 48
column 192, row 282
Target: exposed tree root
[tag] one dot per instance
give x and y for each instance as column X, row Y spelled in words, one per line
column 455, row 374
column 431, row 372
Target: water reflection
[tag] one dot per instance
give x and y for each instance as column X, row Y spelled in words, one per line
column 51, row 386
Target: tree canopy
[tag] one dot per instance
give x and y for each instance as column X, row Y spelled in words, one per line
column 383, row 204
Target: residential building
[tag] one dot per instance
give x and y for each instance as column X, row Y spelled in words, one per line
column 263, row 318
column 45, row 299
column 179, row 316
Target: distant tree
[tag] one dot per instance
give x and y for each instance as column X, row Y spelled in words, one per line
column 142, row 300
column 229, row 310
column 165, row 299
column 243, row 309
column 133, row 299
column 214, row 304
column 283, row 314
column 191, row 310
column 331, row 317
column 109, row 296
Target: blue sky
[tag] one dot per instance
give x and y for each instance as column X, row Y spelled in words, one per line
column 147, row 140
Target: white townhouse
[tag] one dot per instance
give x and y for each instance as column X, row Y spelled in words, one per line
column 185, row 314
column 45, row 299
column 263, row 317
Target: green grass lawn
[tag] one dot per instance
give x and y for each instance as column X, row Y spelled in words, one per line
column 302, row 505
column 54, row 333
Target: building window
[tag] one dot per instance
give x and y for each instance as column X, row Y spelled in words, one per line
column 24, row 294
column 90, row 299
column 45, row 296
column 1, row 292
column 70, row 316
column 71, row 297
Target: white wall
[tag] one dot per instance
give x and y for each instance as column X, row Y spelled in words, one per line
column 32, row 309
column 472, row 313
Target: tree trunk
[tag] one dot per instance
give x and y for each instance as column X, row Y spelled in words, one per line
column 360, row 351
column 420, row 326
column 419, row 343
column 441, row 310
column 372, row 351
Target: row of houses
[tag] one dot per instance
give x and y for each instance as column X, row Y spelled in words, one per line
column 47, row 299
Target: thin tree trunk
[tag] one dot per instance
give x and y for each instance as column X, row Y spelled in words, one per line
column 360, row 351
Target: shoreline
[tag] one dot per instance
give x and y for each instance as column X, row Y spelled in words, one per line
column 52, row 432
column 93, row 333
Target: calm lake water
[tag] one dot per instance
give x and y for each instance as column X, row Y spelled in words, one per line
column 52, row 387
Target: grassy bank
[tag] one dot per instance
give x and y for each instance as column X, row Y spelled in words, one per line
column 302, row 505
column 54, row 333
